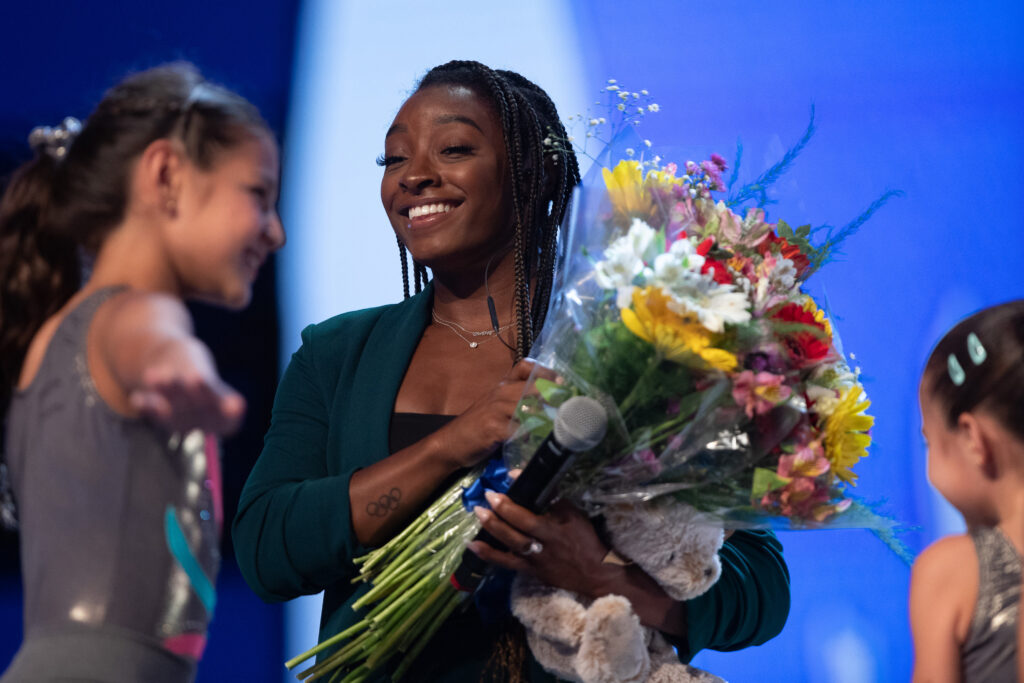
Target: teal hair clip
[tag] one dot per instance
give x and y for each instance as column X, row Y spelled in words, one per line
column 956, row 371
column 975, row 350
column 977, row 353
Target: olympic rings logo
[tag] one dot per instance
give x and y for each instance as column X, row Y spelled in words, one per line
column 385, row 504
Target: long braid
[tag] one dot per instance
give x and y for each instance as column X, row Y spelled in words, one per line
column 420, row 272
column 402, row 253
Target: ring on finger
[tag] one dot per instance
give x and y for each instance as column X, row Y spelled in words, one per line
column 534, row 548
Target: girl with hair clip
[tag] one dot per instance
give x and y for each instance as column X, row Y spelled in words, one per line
column 111, row 401
column 380, row 409
column 965, row 590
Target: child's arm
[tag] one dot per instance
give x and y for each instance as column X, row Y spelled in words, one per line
column 943, row 590
column 142, row 350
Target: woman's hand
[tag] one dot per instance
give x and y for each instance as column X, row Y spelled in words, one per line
column 485, row 425
column 562, row 549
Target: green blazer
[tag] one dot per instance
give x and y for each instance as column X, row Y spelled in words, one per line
column 293, row 534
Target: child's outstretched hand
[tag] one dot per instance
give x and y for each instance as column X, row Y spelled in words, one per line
column 163, row 372
column 181, row 399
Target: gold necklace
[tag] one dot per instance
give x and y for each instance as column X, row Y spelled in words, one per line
column 455, row 327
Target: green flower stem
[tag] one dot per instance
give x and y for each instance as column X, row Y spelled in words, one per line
column 639, row 388
column 384, row 651
column 333, row 640
column 408, row 540
column 449, row 607
column 339, row 658
column 357, row 676
column 381, row 589
column 400, row 566
column 426, row 619
column 411, row 593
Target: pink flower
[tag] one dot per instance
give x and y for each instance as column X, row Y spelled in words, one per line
column 648, row 460
column 808, row 461
column 803, row 497
column 759, row 393
column 713, row 174
column 719, row 161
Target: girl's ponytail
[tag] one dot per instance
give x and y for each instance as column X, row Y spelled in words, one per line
column 39, row 269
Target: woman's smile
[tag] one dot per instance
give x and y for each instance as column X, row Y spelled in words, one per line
column 426, row 215
column 445, row 185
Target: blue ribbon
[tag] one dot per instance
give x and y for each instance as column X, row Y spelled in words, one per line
column 495, row 478
column 492, row 597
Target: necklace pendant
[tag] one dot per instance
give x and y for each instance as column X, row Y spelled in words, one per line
column 473, row 345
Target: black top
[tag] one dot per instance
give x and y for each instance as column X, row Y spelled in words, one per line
column 408, row 428
column 467, row 639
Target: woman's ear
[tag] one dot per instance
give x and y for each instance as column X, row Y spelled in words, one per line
column 158, row 176
column 976, row 445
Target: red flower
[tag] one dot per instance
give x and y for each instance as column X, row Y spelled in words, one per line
column 719, row 272
column 785, row 250
column 803, row 347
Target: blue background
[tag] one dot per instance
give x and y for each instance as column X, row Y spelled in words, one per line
column 923, row 97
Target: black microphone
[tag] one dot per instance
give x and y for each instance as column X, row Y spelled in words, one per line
column 580, row 424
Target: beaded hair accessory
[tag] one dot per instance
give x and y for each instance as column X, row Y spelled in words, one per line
column 55, row 141
column 975, row 351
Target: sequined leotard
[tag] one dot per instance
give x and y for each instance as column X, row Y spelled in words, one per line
column 989, row 654
column 119, row 527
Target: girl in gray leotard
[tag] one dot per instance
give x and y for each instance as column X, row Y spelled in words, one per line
column 965, row 590
column 112, row 406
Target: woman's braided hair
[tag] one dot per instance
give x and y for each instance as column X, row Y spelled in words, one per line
column 539, row 201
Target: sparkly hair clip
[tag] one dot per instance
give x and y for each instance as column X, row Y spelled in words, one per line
column 977, row 353
column 55, row 141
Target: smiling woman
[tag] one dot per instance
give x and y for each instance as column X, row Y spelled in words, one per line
column 381, row 409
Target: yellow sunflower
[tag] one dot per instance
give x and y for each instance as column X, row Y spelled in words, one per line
column 626, row 189
column 819, row 315
column 677, row 337
column 846, row 440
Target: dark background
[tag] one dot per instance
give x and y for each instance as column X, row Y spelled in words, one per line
column 56, row 60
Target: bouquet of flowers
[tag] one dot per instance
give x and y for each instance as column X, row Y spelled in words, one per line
column 725, row 385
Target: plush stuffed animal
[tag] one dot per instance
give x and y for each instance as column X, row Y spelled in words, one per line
column 602, row 641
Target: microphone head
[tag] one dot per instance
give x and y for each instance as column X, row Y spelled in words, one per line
column 580, row 423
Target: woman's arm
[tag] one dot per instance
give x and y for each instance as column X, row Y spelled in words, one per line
column 144, row 359
column 292, row 533
column 418, row 470
column 298, row 526
column 943, row 588
column 747, row 606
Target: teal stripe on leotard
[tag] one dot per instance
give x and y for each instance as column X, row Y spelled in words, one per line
column 178, row 545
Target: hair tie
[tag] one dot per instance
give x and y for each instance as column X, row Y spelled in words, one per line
column 55, row 141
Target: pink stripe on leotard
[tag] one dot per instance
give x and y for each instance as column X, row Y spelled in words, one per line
column 214, row 481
